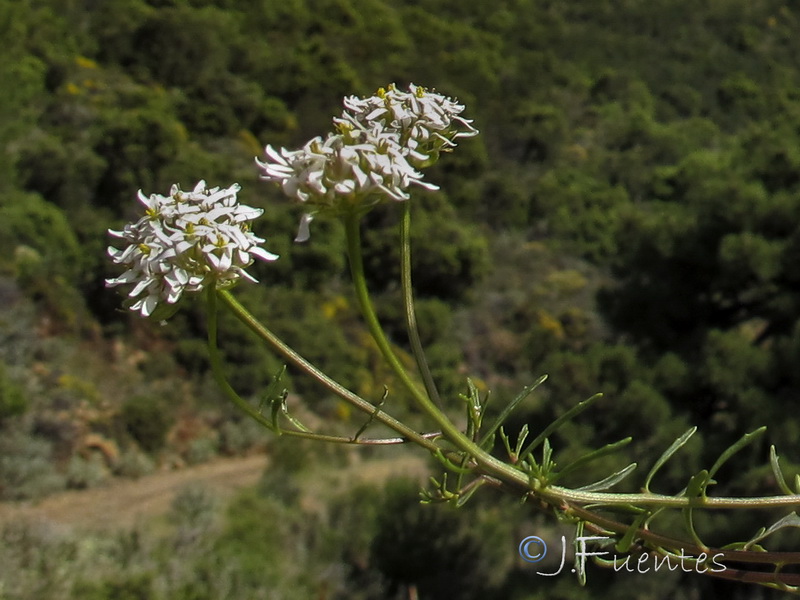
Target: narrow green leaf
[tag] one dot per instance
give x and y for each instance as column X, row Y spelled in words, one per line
column 734, row 448
column 609, row 481
column 507, row 444
column 694, row 489
column 464, row 498
column 521, row 437
column 674, row 447
column 473, row 408
column 776, row 470
column 547, row 456
column 587, row 458
column 373, row 414
column 790, row 520
column 626, row 541
column 580, row 573
column 697, row 484
column 526, row 391
column 571, row 413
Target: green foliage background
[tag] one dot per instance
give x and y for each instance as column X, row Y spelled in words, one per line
column 628, row 221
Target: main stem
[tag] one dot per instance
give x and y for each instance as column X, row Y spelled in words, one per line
column 488, row 463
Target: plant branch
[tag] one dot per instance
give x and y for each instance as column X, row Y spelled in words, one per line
column 556, row 493
column 306, row 367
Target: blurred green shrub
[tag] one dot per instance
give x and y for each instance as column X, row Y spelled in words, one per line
column 26, row 466
column 13, row 400
column 27, row 219
column 433, row 547
column 83, row 473
column 134, row 463
column 147, row 420
column 201, row 450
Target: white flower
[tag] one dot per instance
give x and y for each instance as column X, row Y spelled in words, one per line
column 427, row 122
column 186, row 241
column 353, row 169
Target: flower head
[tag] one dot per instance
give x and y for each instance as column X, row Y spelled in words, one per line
column 427, row 122
column 374, row 154
column 186, row 241
column 352, row 169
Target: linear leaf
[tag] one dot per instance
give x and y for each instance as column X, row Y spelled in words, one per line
column 609, row 481
column 674, row 447
column 626, row 541
column 776, row 470
column 790, row 520
column 572, row 412
column 734, row 448
column 595, row 454
column 526, row 391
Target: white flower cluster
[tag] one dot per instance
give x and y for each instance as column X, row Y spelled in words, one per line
column 348, row 165
column 185, row 241
column 427, row 122
column 373, row 155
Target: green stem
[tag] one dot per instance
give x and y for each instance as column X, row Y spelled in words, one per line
column 488, row 463
column 333, row 386
column 219, row 375
column 556, row 493
column 408, row 304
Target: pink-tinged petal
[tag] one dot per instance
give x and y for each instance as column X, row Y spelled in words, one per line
column 274, row 156
column 139, row 288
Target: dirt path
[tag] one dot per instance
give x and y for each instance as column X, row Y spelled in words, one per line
column 123, row 502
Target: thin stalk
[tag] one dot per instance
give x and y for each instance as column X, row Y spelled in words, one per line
column 242, row 404
column 489, row 463
column 333, row 386
column 556, row 493
column 408, row 305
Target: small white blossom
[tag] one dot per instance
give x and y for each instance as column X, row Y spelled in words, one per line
column 427, row 122
column 186, row 241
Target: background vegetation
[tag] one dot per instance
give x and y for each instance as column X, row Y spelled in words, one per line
column 628, row 222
